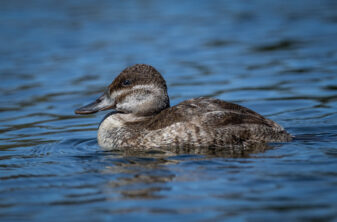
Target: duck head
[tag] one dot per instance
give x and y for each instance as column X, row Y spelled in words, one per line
column 139, row 89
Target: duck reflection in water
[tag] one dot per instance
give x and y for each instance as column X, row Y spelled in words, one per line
column 145, row 174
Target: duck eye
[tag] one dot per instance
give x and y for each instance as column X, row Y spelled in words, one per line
column 126, row 82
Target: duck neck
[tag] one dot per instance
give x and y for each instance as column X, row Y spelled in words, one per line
column 116, row 129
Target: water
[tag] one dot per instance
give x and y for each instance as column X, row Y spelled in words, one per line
column 278, row 58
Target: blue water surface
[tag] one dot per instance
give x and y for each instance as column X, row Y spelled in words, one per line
column 278, row 58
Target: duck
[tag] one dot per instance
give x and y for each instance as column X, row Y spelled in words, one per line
column 142, row 118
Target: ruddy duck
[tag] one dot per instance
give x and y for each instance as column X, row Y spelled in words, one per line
column 143, row 118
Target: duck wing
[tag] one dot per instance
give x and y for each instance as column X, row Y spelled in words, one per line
column 217, row 117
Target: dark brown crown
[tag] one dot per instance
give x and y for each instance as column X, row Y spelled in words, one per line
column 139, row 74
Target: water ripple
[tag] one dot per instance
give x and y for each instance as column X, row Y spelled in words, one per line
column 275, row 57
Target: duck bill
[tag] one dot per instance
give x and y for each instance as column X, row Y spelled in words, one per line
column 102, row 103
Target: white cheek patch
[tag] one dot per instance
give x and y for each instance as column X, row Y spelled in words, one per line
column 133, row 102
column 152, row 88
column 137, row 96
